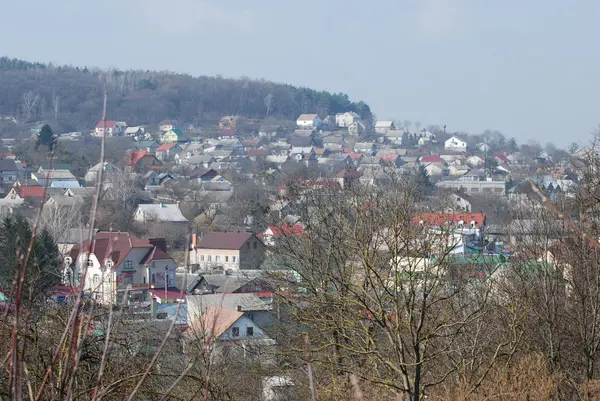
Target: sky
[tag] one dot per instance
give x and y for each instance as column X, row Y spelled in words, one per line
column 528, row 68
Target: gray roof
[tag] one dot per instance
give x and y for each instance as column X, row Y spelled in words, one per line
column 55, row 175
column 200, row 159
column 9, row 165
column 198, row 304
column 162, row 212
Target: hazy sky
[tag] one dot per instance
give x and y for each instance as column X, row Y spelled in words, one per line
column 529, row 68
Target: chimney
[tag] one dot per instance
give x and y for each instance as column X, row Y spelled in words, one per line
column 194, row 240
column 160, row 243
column 154, row 308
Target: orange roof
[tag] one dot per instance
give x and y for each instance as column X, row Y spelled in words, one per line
column 441, row 219
column 134, row 156
column 165, row 146
column 30, row 191
column 214, row 322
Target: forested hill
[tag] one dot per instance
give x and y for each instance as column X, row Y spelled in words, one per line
column 37, row 91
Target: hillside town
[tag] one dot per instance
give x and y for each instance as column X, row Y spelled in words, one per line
column 200, row 225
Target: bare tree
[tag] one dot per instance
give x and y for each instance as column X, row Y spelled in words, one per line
column 30, row 100
column 55, row 105
column 269, row 102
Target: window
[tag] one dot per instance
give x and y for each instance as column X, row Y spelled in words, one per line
column 128, row 265
column 201, row 258
column 90, row 262
column 249, row 331
column 96, row 279
column 209, row 258
column 255, row 245
column 217, row 259
column 108, row 263
column 235, row 331
column 233, row 259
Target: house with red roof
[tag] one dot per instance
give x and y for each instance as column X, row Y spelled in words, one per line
column 228, row 250
column 167, row 151
column 26, row 192
column 455, row 233
column 115, row 260
column 275, row 233
column 109, row 128
column 141, row 161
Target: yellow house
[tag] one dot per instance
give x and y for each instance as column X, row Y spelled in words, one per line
column 171, row 136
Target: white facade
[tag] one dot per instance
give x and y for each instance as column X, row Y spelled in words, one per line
column 344, row 120
column 455, row 144
column 243, row 329
column 309, row 121
column 382, row 127
column 103, row 279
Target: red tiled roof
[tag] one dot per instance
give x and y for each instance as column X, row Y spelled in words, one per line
column 134, row 156
column 441, row 219
column 430, row 159
column 228, row 132
column 111, row 245
column 285, row 230
column 224, row 240
column 165, row 146
column 109, row 124
column 250, row 142
column 171, row 293
column 355, row 156
column 30, row 191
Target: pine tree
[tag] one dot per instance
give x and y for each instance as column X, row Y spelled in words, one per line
column 43, row 268
column 45, row 137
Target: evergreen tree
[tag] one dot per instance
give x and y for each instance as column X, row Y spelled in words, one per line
column 45, row 137
column 44, row 266
column 423, row 181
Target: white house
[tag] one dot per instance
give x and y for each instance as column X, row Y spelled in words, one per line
column 455, row 144
column 309, row 121
column 109, row 128
column 475, row 161
column 346, row 119
column 118, row 260
column 382, row 127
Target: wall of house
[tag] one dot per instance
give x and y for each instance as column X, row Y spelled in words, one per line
column 242, row 324
column 212, row 258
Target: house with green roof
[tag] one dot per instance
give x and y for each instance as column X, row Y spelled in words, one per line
column 172, row 136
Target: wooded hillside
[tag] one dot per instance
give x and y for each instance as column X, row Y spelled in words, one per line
column 36, row 91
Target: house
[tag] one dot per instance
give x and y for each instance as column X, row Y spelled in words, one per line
column 436, row 169
column 168, row 125
column 382, row 127
column 225, row 325
column 454, row 233
column 200, row 160
column 141, row 160
column 229, row 122
column 334, row 142
column 92, row 173
column 10, row 171
column 167, row 151
column 475, row 161
column 457, row 170
column 56, row 179
column 394, row 136
column 228, row 250
column 309, row 121
column 228, row 283
column 136, row 131
column 346, row 119
column 461, row 202
column 171, row 136
column 117, row 260
column 455, row 144
column 26, row 192
column 471, row 187
column 159, row 212
column 273, row 234
column 357, row 128
column 108, row 128
column 483, row 147
column 367, row 148
column 54, row 166
column 348, row 178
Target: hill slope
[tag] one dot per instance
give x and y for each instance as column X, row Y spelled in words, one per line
column 36, row 91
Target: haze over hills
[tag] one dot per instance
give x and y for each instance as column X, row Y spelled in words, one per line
column 33, row 91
